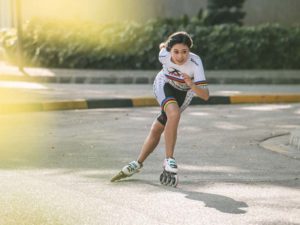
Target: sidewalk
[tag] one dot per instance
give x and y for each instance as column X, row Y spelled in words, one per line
column 75, row 76
column 61, row 89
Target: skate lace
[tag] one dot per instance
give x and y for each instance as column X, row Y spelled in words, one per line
column 172, row 163
column 131, row 167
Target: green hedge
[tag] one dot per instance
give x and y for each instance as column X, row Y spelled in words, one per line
column 129, row 45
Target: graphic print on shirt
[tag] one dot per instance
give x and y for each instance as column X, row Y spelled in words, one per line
column 174, row 74
column 176, row 79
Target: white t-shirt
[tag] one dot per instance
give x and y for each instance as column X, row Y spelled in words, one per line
column 173, row 72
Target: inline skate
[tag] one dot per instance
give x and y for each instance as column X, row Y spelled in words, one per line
column 169, row 175
column 128, row 170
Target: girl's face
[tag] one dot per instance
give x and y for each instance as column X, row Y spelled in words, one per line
column 179, row 53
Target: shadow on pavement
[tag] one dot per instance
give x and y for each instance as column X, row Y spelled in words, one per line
column 219, row 202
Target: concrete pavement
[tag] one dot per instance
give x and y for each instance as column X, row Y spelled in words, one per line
column 55, row 168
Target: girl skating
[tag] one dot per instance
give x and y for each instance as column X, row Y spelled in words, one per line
column 181, row 77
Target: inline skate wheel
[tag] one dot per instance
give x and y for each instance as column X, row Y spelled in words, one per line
column 174, row 181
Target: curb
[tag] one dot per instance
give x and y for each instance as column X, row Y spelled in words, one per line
column 295, row 139
column 140, row 102
column 280, row 144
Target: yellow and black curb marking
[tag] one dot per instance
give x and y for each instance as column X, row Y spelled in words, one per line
column 140, row 102
column 265, row 98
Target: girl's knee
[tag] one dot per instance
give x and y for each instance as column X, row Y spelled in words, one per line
column 173, row 114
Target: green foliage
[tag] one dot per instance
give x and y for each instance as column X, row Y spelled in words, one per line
column 130, row 45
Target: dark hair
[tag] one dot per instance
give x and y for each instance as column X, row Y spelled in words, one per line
column 178, row 38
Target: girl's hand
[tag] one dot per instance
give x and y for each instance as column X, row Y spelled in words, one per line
column 187, row 80
column 202, row 93
column 162, row 45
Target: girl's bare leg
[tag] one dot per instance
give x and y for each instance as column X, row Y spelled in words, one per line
column 151, row 141
column 173, row 115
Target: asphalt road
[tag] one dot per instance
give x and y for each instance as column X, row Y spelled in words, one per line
column 56, row 167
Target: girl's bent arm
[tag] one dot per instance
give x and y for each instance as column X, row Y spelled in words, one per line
column 201, row 92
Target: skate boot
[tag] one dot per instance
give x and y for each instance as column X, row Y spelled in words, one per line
column 169, row 175
column 128, row 170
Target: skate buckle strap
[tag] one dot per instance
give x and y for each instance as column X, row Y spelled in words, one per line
column 132, row 166
column 172, row 163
